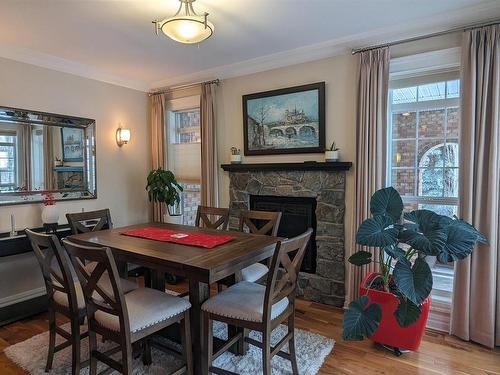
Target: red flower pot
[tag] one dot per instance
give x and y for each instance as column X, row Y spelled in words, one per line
column 389, row 332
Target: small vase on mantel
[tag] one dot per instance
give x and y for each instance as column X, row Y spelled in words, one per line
column 50, row 212
column 332, row 154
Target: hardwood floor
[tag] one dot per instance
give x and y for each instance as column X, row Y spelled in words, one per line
column 438, row 354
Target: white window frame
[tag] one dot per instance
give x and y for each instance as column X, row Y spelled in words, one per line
column 16, row 157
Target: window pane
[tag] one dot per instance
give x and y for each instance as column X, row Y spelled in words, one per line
column 430, row 182
column 187, row 126
column 404, row 95
column 431, row 153
column 431, row 91
column 404, row 125
column 451, row 182
column 431, row 123
column 442, row 209
column 6, row 178
column 451, row 153
column 403, row 180
column 453, row 89
column 403, row 153
column 453, row 125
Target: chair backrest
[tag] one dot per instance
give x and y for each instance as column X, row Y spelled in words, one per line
column 97, row 299
column 77, row 221
column 285, row 284
column 260, row 222
column 56, row 266
column 212, row 217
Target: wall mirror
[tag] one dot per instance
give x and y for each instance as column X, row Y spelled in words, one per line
column 44, row 153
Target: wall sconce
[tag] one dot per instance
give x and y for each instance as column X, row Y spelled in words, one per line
column 122, row 136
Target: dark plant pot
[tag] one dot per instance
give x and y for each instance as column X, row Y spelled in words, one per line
column 389, row 332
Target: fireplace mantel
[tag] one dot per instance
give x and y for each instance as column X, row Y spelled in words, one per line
column 305, row 166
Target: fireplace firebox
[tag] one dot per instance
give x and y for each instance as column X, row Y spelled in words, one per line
column 298, row 214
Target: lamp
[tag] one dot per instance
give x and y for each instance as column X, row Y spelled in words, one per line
column 187, row 28
column 122, row 136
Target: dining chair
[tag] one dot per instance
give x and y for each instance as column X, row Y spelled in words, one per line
column 125, row 319
column 64, row 295
column 251, row 306
column 220, row 216
column 258, row 222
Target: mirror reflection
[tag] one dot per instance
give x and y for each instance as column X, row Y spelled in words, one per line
column 41, row 152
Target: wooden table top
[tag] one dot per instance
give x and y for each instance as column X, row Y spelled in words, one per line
column 204, row 265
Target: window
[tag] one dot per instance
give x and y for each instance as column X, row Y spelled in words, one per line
column 186, row 127
column 424, row 131
column 8, row 156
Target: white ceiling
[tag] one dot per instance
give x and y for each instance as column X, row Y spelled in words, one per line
column 113, row 40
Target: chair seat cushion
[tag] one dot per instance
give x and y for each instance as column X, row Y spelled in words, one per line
column 244, row 301
column 146, row 307
column 254, row 272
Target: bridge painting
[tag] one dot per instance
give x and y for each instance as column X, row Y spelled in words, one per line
column 282, row 122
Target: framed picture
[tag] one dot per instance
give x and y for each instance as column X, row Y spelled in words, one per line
column 72, row 144
column 285, row 121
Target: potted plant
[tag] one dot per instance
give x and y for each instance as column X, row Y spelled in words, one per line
column 235, row 155
column 394, row 302
column 162, row 187
column 333, row 153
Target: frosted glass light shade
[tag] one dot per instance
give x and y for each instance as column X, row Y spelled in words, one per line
column 122, row 136
column 187, row 29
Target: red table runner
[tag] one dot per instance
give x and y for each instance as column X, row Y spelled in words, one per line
column 207, row 241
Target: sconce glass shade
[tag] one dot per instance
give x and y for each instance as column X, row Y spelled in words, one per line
column 122, row 136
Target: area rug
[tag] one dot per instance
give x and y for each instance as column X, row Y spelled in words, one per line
column 312, row 350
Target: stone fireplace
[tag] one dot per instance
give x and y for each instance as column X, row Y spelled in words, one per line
column 322, row 277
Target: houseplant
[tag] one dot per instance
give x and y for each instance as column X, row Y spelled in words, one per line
column 162, row 187
column 394, row 302
column 50, row 213
column 333, row 153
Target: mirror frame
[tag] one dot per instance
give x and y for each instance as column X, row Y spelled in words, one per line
column 18, row 115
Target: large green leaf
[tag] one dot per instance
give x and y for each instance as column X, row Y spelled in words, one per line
column 360, row 258
column 458, row 245
column 395, row 251
column 407, row 312
column 387, row 202
column 469, row 228
column 429, row 243
column 427, row 220
column 361, row 321
column 378, row 231
column 414, row 282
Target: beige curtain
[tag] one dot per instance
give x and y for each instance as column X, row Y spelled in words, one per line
column 158, row 148
column 26, row 156
column 209, row 167
column 48, row 158
column 371, row 133
column 476, row 299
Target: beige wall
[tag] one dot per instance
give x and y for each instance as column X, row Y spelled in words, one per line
column 121, row 172
column 340, row 75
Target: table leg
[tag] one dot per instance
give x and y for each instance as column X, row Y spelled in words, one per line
column 198, row 293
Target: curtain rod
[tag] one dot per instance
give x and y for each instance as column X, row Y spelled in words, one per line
column 413, row 39
column 188, row 85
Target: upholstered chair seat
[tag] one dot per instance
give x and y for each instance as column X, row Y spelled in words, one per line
column 254, row 272
column 245, row 301
column 146, row 308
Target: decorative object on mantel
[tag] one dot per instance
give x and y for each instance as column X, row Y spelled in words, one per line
column 50, row 213
column 187, row 28
column 333, row 153
column 394, row 303
column 162, row 187
column 235, row 155
column 58, row 162
column 285, row 121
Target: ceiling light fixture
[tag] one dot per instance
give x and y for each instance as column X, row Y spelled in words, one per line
column 186, row 26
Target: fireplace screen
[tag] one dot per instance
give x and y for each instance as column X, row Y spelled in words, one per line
column 298, row 214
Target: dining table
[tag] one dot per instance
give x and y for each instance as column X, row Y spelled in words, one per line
column 199, row 265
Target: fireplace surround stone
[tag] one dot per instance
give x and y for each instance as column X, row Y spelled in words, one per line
column 327, row 285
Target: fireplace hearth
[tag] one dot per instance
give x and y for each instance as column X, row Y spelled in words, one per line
column 311, row 195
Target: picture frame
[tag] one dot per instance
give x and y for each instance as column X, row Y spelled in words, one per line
column 285, row 121
column 72, row 144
